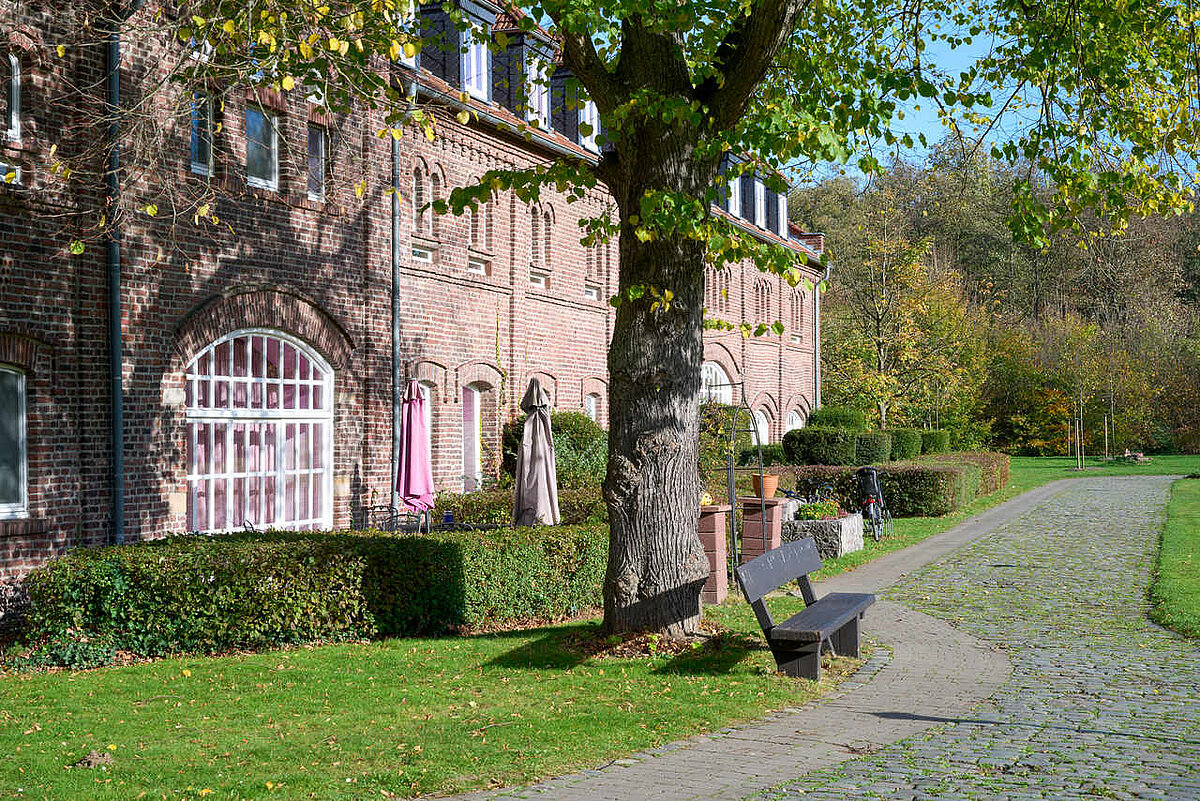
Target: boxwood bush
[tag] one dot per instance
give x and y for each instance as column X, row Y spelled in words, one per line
column 906, row 443
column 495, row 507
column 255, row 590
column 873, row 447
column 837, row 417
column 935, row 440
column 818, row 445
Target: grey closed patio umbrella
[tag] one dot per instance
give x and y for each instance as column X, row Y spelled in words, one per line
column 537, row 477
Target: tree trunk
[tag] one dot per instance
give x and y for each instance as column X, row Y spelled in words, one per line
column 656, row 564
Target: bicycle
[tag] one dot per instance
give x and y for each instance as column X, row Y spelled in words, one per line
column 877, row 520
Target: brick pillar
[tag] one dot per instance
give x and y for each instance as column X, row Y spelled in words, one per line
column 712, row 537
column 753, row 524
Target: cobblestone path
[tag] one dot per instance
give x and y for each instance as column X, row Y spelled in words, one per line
column 1101, row 704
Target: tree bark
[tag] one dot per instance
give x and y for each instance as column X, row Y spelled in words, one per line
column 656, row 564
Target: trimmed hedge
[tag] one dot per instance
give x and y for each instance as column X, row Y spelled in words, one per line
column 935, row 440
column 837, row 417
column 906, row 443
column 772, row 454
column 817, row 445
column 873, row 447
column 913, row 489
column 251, row 591
column 495, row 507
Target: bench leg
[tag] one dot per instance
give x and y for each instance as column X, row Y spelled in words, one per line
column 846, row 641
column 800, row 661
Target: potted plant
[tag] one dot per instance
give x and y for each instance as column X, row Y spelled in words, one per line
column 764, row 484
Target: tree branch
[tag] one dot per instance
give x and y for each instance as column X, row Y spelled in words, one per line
column 744, row 56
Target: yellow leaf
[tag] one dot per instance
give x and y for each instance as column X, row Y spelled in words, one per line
column 394, row 50
column 428, row 135
column 334, row 44
column 187, row 672
column 112, row 746
column 229, row 27
column 306, row 50
column 360, row 188
column 464, row 116
column 288, row 82
column 62, row 51
column 410, row 50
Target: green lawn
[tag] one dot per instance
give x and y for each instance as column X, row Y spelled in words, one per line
column 1176, row 592
column 404, row 717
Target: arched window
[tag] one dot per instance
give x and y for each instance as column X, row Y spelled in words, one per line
column 763, row 312
column 260, row 434
column 793, row 421
column 715, row 386
column 10, row 95
column 419, row 200
column 535, row 235
column 762, row 426
column 428, row 393
column 435, row 194
column 14, row 487
column 591, row 406
column 796, row 323
column 472, row 438
column 547, row 229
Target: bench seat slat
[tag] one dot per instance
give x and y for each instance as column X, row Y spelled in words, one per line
column 824, row 618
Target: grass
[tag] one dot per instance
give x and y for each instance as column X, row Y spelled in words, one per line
column 399, row 717
column 1175, row 596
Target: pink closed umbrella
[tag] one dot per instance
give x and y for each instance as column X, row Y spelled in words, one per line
column 414, row 472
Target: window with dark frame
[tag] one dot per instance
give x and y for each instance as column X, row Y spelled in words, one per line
column 262, row 149
column 317, row 164
column 13, row 479
column 202, row 133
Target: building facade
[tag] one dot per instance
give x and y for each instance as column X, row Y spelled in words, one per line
column 281, row 278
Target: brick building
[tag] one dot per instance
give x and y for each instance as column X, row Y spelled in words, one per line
column 264, row 330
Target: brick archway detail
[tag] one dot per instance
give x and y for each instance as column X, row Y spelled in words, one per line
column 29, row 354
column 263, row 308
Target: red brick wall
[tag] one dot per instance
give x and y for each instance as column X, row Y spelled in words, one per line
column 319, row 272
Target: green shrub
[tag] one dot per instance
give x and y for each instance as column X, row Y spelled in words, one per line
column 820, row 510
column 715, row 447
column 993, row 468
column 837, row 417
column 495, row 507
column 935, row 440
column 815, row 445
column 772, row 454
column 580, row 448
column 906, row 443
column 257, row 590
column 873, row 447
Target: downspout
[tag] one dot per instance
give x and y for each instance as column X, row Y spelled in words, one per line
column 397, row 365
column 112, row 195
column 817, row 337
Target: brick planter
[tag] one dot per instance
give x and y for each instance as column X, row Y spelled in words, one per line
column 712, row 536
column 761, row 534
column 834, row 538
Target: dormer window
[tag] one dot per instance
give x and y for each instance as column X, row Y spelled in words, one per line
column 735, row 195
column 476, row 66
column 537, row 93
column 10, row 75
column 783, row 215
column 760, row 203
column 589, row 122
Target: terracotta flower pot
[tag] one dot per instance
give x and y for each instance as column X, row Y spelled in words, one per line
column 765, row 485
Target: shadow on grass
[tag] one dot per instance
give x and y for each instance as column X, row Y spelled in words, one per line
column 720, row 654
column 559, row 648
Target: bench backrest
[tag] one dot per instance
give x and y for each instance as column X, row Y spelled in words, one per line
column 788, row 562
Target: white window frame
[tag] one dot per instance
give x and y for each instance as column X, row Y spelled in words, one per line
column 735, row 195
column 201, row 101
column 539, row 279
column 589, row 115
column 715, row 384
column 472, row 436
column 269, row 120
column 591, row 292
column 316, row 197
column 783, row 215
column 762, row 426
column 422, row 255
column 13, row 124
column 537, row 94
column 760, row 203
column 478, row 266
column 20, row 508
column 476, row 69
column 794, row 420
column 279, row 418
column 591, row 406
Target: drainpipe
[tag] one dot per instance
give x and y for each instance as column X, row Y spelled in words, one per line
column 112, row 181
column 817, row 338
column 396, row 377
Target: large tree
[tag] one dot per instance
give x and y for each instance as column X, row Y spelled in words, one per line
column 1105, row 95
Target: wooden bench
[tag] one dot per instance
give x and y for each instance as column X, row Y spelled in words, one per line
column 833, row 620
